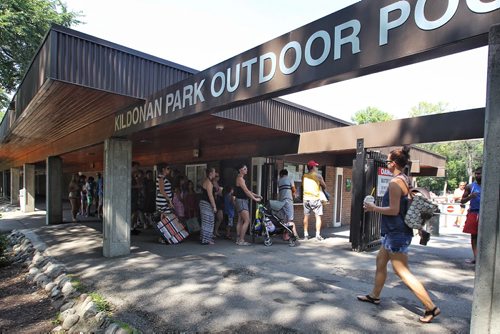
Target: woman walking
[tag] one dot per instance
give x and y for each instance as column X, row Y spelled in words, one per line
column 74, row 196
column 242, row 205
column 396, row 237
column 207, row 208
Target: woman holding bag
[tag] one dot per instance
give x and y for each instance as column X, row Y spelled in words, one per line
column 396, row 237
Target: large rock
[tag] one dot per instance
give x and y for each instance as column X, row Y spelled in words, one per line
column 68, row 289
column 67, row 306
column 54, row 270
column 66, row 313
column 70, row 321
column 41, row 280
column 89, row 311
column 50, row 286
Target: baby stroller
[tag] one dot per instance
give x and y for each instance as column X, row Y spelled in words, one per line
column 269, row 221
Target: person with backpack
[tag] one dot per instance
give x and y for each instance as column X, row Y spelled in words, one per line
column 396, row 237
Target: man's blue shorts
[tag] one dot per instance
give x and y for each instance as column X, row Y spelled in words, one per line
column 397, row 242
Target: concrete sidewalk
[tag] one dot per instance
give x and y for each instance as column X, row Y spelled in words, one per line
column 225, row 288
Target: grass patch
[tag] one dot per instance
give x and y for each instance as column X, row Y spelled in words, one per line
column 57, row 321
column 126, row 327
column 102, row 304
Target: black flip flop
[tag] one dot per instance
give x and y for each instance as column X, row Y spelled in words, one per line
column 369, row 299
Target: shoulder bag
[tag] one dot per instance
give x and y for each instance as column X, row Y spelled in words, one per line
column 420, row 209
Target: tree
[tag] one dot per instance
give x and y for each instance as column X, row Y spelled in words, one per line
column 426, row 108
column 371, row 115
column 462, row 157
column 23, row 25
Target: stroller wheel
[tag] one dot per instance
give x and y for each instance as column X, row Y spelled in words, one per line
column 268, row 242
column 292, row 243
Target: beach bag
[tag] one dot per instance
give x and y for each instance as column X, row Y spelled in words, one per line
column 170, row 229
column 420, row 207
column 419, row 211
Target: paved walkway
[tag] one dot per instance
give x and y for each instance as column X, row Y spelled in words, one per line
column 225, row 288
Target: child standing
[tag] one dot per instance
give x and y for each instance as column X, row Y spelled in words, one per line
column 178, row 205
column 229, row 210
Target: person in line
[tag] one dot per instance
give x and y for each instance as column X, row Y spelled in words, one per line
column 229, row 210
column 457, row 197
column 208, row 209
column 100, row 195
column 91, row 193
column 134, row 200
column 83, row 194
column 74, row 196
column 312, row 182
column 396, row 237
column 190, row 201
column 149, row 192
column 179, row 205
column 164, row 194
column 286, row 192
column 243, row 194
column 219, row 202
column 472, row 194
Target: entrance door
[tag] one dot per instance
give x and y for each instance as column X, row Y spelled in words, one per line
column 337, row 209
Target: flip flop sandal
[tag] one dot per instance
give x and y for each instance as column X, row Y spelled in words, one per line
column 369, row 299
column 430, row 315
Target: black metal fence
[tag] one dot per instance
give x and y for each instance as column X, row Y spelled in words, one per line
column 365, row 227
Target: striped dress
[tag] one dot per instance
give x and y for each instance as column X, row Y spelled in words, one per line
column 161, row 201
column 207, row 219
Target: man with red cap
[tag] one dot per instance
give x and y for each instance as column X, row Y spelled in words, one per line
column 312, row 182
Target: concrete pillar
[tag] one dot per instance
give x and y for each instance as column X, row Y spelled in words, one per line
column 54, row 191
column 117, row 197
column 4, row 183
column 29, row 188
column 486, row 302
column 14, row 186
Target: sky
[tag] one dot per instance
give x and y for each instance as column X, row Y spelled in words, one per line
column 200, row 33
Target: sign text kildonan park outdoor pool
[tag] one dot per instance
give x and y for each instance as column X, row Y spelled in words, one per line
column 367, row 37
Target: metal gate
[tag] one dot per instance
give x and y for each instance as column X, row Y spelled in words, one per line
column 365, row 226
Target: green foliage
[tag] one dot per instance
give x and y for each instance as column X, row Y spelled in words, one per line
column 426, row 108
column 58, row 320
column 4, row 102
column 23, row 25
column 461, row 156
column 371, row 115
column 126, row 327
column 102, row 304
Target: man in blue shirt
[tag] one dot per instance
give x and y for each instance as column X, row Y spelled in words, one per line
column 472, row 193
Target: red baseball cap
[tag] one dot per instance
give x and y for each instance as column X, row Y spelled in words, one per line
column 312, row 164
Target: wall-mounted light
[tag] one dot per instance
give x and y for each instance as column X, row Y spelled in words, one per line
column 219, row 127
column 196, row 153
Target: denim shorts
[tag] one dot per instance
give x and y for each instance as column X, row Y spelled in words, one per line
column 397, row 242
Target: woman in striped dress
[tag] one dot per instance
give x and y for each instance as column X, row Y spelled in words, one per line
column 164, row 193
column 207, row 208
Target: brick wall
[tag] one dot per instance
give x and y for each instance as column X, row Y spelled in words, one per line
column 346, row 199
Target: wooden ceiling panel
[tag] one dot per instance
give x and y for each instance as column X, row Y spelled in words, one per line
column 48, row 126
